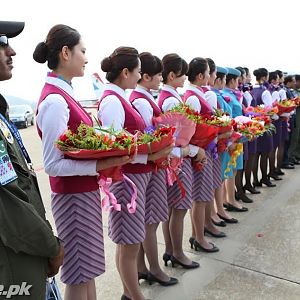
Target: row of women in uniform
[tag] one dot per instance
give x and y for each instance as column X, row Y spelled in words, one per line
column 76, row 204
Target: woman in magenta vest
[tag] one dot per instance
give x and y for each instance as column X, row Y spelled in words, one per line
column 203, row 188
column 127, row 230
column 174, row 70
column 156, row 206
column 76, row 204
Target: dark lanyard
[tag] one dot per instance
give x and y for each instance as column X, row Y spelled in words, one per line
column 13, row 129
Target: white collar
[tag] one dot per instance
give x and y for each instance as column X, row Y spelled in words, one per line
column 196, row 89
column 142, row 90
column 60, row 84
column 173, row 91
column 113, row 87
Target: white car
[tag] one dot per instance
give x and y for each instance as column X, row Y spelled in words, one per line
column 21, row 115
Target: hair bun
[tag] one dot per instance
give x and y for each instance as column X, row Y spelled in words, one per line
column 106, row 64
column 40, row 53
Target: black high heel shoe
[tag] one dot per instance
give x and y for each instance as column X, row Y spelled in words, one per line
column 152, row 279
column 243, row 197
column 221, row 234
column 175, row 261
column 267, row 182
column 166, row 258
column 143, row 275
column 257, row 183
column 274, row 176
column 191, row 240
column 125, row 297
column 251, row 189
column 279, row 172
column 221, row 223
column 211, row 250
column 229, row 221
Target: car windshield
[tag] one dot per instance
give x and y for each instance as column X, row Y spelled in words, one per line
column 18, row 109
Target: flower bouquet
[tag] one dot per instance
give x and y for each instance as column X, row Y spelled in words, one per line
column 286, row 106
column 88, row 143
column 222, row 120
column 182, row 121
column 155, row 139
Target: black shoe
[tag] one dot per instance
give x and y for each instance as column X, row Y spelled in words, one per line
column 229, row 221
column 143, row 275
column 288, row 167
column 152, row 279
column 243, row 197
column 267, row 182
column 221, row 223
column 236, row 209
column 175, row 261
column 279, row 172
column 216, row 235
column 251, row 189
column 191, row 240
column 213, row 249
column 294, row 162
column 274, row 176
column 256, row 183
column 125, row 297
column 166, row 258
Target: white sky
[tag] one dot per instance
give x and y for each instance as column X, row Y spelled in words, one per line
column 254, row 33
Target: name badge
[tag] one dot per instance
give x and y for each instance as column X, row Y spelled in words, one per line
column 7, row 171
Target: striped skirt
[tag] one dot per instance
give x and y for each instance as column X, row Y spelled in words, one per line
column 217, row 173
column 175, row 199
column 123, row 227
column 78, row 219
column 156, row 207
column 203, row 189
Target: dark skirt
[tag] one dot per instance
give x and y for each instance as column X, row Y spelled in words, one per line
column 277, row 136
column 284, row 131
column 203, row 189
column 156, row 207
column 123, row 227
column 252, row 147
column 265, row 143
column 78, row 219
column 175, row 198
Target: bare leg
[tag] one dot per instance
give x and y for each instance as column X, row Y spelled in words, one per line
column 128, row 269
column 209, row 207
column 166, row 233
column 142, row 268
column 125, row 289
column 91, row 290
column 220, row 195
column 76, row 292
column 150, row 247
column 198, row 217
column 176, row 233
column 230, row 186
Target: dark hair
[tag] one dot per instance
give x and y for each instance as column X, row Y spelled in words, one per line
column 229, row 77
column 121, row 58
column 246, row 70
column 297, row 77
column 198, row 65
column 212, row 65
column 260, row 73
column 288, row 79
column 173, row 63
column 220, row 75
column 59, row 36
column 273, row 76
column 280, row 73
column 150, row 64
column 242, row 70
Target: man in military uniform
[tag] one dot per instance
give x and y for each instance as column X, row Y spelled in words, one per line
column 29, row 252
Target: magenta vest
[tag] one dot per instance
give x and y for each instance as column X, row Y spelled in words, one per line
column 136, row 95
column 133, row 122
column 205, row 108
column 163, row 95
column 70, row 184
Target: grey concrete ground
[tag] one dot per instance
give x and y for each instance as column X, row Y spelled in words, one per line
column 260, row 258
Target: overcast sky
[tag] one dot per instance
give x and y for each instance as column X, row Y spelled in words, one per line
column 252, row 33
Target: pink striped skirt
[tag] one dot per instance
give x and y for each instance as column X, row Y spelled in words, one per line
column 78, row 219
column 123, row 227
column 175, row 198
column 156, row 207
column 217, row 173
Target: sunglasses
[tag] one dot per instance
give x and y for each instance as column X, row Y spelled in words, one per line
column 3, row 41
